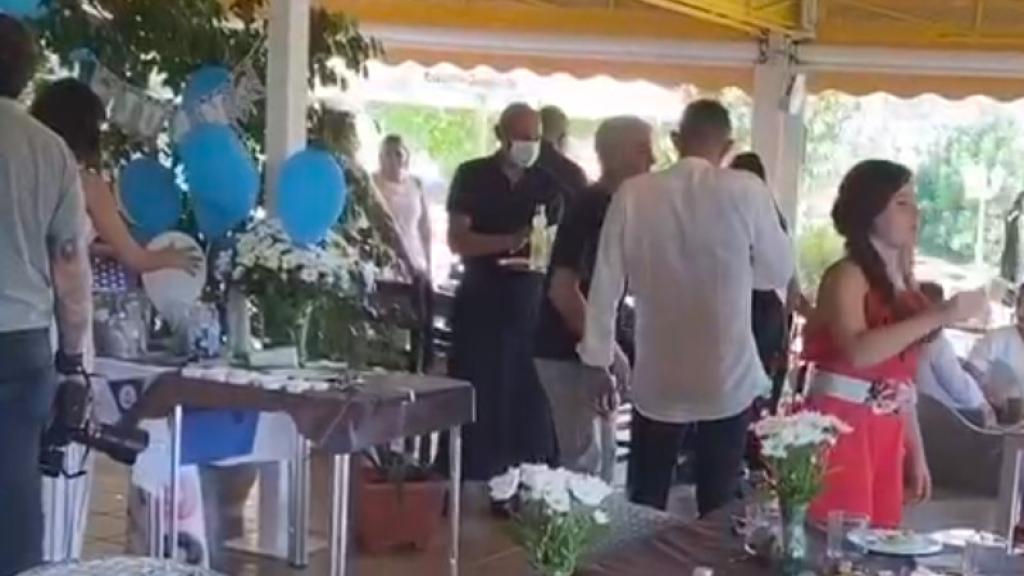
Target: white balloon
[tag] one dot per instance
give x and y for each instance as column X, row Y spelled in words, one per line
column 174, row 292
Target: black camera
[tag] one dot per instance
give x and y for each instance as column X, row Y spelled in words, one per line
column 71, row 421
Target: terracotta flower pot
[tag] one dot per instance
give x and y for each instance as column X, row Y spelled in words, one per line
column 390, row 517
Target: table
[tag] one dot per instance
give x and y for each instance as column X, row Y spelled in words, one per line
column 369, row 410
column 709, row 542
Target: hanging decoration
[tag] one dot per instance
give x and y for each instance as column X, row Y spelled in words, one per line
column 214, row 95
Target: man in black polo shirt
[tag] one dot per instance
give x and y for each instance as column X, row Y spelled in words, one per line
column 586, row 441
column 554, row 135
column 491, row 205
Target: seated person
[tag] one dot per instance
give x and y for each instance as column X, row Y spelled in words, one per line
column 941, row 376
column 997, row 360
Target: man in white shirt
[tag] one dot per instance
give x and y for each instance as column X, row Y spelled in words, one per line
column 941, row 376
column 689, row 241
column 997, row 360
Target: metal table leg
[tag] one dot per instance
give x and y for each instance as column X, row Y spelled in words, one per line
column 175, row 425
column 298, row 506
column 455, row 499
column 341, row 480
column 155, row 525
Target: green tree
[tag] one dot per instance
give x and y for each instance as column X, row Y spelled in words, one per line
column 827, row 153
column 949, row 216
column 449, row 136
column 143, row 40
column 818, row 246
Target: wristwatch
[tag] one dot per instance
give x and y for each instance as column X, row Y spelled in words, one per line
column 68, row 364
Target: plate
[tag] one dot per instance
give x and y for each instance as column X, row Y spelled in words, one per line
column 895, row 542
column 959, row 537
column 174, row 292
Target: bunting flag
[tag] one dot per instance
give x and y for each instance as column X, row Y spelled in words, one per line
column 143, row 116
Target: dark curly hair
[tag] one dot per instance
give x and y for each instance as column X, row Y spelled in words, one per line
column 864, row 194
column 72, row 110
column 17, row 56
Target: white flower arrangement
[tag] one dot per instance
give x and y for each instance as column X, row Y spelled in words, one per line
column 558, row 512
column 795, row 447
column 286, row 281
column 264, row 251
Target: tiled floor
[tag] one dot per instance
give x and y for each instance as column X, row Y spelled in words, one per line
column 487, row 549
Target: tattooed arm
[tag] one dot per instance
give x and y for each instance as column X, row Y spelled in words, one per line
column 69, row 264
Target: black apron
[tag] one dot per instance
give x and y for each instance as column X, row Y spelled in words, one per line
column 494, row 318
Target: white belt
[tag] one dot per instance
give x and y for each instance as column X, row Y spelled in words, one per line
column 883, row 397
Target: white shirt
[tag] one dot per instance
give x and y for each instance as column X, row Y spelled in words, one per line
column 940, row 375
column 41, row 205
column 689, row 242
column 1000, row 356
column 406, row 202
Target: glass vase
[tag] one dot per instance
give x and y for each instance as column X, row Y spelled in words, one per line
column 794, row 537
column 239, row 326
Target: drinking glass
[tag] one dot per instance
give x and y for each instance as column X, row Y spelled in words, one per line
column 840, row 525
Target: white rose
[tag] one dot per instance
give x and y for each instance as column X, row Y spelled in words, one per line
column 589, row 490
column 557, row 499
column 534, row 476
column 504, row 487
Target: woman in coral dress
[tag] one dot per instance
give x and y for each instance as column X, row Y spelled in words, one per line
column 862, row 344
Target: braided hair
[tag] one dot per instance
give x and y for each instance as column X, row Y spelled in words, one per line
column 865, row 193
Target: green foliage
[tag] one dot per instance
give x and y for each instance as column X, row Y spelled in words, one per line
column 949, row 217
column 449, row 136
column 143, row 41
column 827, row 154
column 818, row 246
column 554, row 542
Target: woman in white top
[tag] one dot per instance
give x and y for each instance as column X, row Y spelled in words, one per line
column 75, row 113
column 404, row 197
column 997, row 360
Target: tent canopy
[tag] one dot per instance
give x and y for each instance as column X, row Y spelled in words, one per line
column 850, row 45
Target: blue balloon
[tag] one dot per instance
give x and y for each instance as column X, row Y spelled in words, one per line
column 204, row 82
column 311, row 195
column 22, row 8
column 150, row 196
column 211, row 222
column 220, row 172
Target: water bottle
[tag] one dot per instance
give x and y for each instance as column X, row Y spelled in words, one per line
column 539, row 240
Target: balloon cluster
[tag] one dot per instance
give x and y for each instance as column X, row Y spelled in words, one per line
column 224, row 182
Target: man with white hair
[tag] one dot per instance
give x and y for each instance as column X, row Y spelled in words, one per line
column 585, row 436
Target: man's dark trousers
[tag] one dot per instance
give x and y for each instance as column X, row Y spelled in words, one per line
column 27, row 385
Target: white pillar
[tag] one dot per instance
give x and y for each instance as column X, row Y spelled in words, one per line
column 287, row 86
column 778, row 134
column 287, row 100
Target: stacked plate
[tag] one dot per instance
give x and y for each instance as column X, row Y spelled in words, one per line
column 242, row 377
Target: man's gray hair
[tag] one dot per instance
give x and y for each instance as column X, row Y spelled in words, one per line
column 610, row 133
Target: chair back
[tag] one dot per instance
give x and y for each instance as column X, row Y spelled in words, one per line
column 963, row 458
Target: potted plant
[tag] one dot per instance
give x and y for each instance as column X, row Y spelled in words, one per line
column 400, row 501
